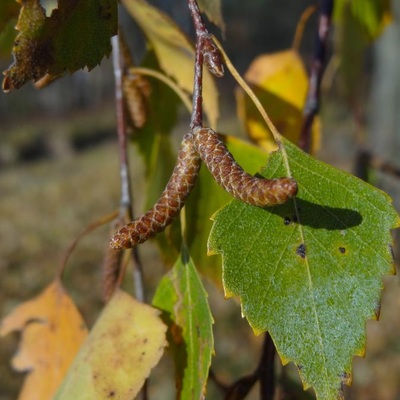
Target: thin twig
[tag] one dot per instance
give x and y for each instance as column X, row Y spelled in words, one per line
column 201, row 31
column 197, row 108
column 366, row 160
column 207, row 52
column 126, row 201
column 102, row 221
column 312, row 105
column 264, row 373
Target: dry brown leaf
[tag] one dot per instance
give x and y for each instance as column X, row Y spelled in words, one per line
column 52, row 332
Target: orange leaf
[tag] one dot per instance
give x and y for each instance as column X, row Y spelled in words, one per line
column 52, row 332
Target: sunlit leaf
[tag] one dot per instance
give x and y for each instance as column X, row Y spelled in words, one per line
column 182, row 298
column 280, row 82
column 52, row 332
column 310, row 271
column 76, row 35
column 207, row 197
column 174, row 52
column 122, row 348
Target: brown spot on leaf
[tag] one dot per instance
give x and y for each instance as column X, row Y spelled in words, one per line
column 342, row 249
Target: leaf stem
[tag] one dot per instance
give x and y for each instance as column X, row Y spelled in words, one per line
column 163, row 78
column 277, row 136
column 298, row 35
column 312, row 105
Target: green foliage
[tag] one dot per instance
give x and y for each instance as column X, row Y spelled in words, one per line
column 49, row 45
column 183, row 300
column 362, row 21
column 310, row 271
column 369, row 16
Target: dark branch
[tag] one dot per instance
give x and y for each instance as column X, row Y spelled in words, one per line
column 266, row 369
column 317, row 68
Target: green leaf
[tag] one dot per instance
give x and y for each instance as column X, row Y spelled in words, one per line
column 174, row 52
column 76, row 35
column 212, row 8
column 7, row 38
column 122, row 348
column 370, row 16
column 310, row 271
column 9, row 10
column 207, row 197
column 362, row 21
column 183, row 300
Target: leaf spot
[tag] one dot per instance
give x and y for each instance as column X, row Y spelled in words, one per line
column 301, row 250
column 342, row 249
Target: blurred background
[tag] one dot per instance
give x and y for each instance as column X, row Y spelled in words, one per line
column 59, row 164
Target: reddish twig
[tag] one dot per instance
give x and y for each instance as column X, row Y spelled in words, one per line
column 312, row 105
column 206, row 51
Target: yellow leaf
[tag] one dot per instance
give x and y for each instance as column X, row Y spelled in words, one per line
column 122, row 348
column 52, row 332
column 280, row 82
column 174, row 52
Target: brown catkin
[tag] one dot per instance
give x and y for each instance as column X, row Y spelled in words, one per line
column 137, row 91
column 110, row 272
column 243, row 186
column 212, row 57
column 170, row 203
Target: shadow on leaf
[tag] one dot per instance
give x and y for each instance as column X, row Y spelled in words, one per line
column 316, row 215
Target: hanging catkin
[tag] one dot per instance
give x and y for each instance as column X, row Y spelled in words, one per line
column 243, row 186
column 170, row 203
